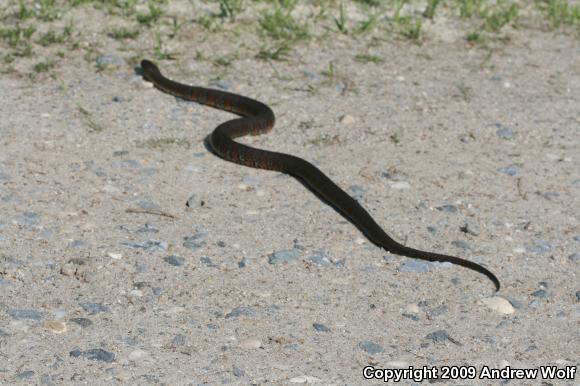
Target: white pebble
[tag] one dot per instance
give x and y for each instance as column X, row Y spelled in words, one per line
column 398, row 364
column 137, row 355
column 304, row 379
column 56, row 326
column 115, row 256
column 412, row 308
column 251, row 343
column 499, row 305
column 347, row 119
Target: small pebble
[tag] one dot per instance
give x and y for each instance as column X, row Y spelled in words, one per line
column 176, row 261
column 578, row 296
column 575, row 257
column 371, row 347
column 207, row 261
column 412, row 265
column 499, row 305
column 238, row 372
column 94, row 308
column 137, row 355
column 347, row 119
column 319, row 258
column 461, row 244
column 320, row 327
column 357, row 192
column 304, row 379
column 21, row 314
column 83, row 322
column 250, row 343
column 470, row 228
column 110, row 60
column 541, row 293
column 447, row 208
column 503, row 131
column 540, row 247
column 115, row 256
column 25, row 374
column 56, row 326
column 27, row 219
column 241, row 311
column 398, row 364
column 412, row 308
column 438, row 336
column 96, row 354
column 400, row 185
column 195, row 241
column 224, row 84
column 284, row 256
column 511, row 171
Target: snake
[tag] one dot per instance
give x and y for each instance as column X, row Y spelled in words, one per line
column 257, row 118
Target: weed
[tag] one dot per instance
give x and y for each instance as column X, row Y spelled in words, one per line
column 123, row 33
column 366, row 58
column 341, row 20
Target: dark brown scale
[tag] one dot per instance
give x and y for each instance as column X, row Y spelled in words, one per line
column 259, row 118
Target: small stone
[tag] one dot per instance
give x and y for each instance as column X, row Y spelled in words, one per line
column 398, row 364
column 137, row 355
column 540, row 247
column 412, row 265
column 447, row 208
column 578, row 296
column 283, row 256
column 94, row 308
column 115, row 256
column 56, row 326
column 195, row 241
column 304, row 379
column 400, row 185
column 347, row 119
column 541, row 293
column 224, row 84
column 178, row 340
column 21, row 314
column 83, row 322
column 250, row 343
column 110, row 60
column 371, row 347
column 241, row 311
column 176, row 261
column 575, row 257
column 412, row 308
column 470, row 228
column 438, row 336
column 207, row 262
column 25, row 374
column 320, row 327
column 503, row 131
column 461, row 244
column 27, row 219
column 357, row 192
column 499, row 305
column 238, row 372
column 95, row 354
column 511, row 171
column 319, row 258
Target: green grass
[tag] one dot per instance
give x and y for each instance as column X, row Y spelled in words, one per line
column 560, row 12
column 122, row 33
column 35, row 27
column 366, row 58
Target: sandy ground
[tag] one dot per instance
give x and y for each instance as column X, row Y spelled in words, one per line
column 108, row 277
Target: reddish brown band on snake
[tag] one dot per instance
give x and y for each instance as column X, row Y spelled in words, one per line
column 257, row 118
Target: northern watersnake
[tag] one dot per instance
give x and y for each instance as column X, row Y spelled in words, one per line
column 257, row 118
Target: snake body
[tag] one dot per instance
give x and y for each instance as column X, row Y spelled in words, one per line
column 257, row 118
